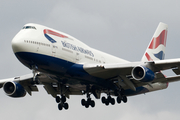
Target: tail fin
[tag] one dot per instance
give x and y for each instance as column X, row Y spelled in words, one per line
column 156, row 48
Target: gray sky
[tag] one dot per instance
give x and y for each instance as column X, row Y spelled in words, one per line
column 121, row 28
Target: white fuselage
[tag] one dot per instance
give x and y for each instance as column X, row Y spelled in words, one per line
column 66, row 48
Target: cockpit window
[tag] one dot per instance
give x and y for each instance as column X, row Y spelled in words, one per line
column 29, row 27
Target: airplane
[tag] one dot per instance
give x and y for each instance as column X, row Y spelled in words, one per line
column 66, row 66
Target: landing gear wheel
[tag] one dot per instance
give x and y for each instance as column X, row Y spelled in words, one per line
column 66, row 106
column 124, row 99
column 107, row 103
column 60, row 106
column 83, row 102
column 112, row 101
column 63, row 98
column 87, row 105
column 103, row 99
column 118, row 99
column 92, row 103
column 58, row 99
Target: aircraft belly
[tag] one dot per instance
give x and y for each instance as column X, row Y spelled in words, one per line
column 146, row 88
column 43, row 62
column 73, row 73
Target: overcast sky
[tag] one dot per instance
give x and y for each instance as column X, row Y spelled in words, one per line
column 121, row 28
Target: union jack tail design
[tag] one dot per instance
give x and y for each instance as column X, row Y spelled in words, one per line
column 156, row 48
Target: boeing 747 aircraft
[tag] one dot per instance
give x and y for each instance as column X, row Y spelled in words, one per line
column 66, row 66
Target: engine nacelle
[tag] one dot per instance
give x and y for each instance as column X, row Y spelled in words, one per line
column 143, row 74
column 14, row 89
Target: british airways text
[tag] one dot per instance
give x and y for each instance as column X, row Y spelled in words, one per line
column 76, row 48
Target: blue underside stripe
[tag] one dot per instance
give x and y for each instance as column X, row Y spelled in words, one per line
column 44, row 62
column 139, row 90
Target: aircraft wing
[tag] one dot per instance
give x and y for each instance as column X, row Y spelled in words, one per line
column 107, row 71
column 48, row 81
column 27, row 77
column 25, row 81
column 124, row 71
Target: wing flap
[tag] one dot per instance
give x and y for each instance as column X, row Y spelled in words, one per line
column 173, row 79
column 176, row 71
column 29, row 89
column 50, row 90
column 129, row 83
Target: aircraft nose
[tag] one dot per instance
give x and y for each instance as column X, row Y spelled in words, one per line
column 17, row 43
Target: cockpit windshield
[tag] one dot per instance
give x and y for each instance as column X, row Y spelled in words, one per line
column 29, row 27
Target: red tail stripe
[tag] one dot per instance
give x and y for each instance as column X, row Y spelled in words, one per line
column 161, row 39
column 148, row 57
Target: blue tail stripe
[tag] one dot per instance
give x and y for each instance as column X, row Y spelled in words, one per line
column 160, row 55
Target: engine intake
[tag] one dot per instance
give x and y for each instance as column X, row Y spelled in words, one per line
column 14, row 89
column 143, row 74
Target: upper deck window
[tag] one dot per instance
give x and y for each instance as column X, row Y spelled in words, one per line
column 29, row 27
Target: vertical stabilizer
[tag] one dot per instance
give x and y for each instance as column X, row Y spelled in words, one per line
column 156, row 48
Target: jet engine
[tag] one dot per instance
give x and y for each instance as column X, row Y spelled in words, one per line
column 14, row 89
column 143, row 74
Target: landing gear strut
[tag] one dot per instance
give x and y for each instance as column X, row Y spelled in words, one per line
column 35, row 74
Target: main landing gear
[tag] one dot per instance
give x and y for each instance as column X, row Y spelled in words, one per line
column 105, row 100
column 109, row 99
column 88, row 102
column 62, row 102
column 121, row 98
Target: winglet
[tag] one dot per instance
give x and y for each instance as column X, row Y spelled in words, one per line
column 156, row 48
